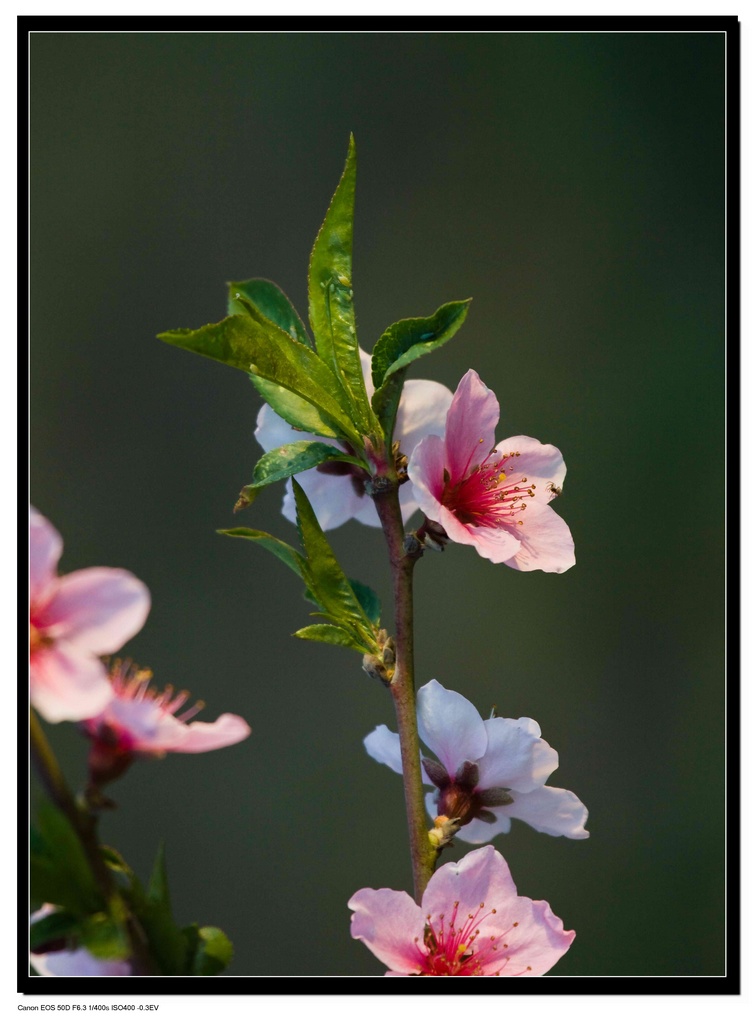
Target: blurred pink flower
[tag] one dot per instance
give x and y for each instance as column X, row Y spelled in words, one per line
column 336, row 489
column 72, row 620
column 471, row 923
column 488, row 771
column 493, row 496
column 58, row 961
column 140, row 721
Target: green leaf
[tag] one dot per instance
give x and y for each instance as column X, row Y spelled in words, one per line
column 264, row 350
column 60, row 871
column 54, row 926
column 331, row 298
column 300, row 414
column 106, row 937
column 288, row 555
column 273, row 303
column 326, row 633
column 167, row 942
column 213, row 953
column 368, row 599
column 325, row 578
column 290, row 459
column 401, row 344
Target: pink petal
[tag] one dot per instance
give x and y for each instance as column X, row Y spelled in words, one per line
column 497, row 544
column 45, row 548
column 516, row 757
column 538, row 941
column 482, row 876
column 67, row 684
column 556, row 812
column 450, row 725
column 426, row 469
column 389, row 923
column 542, row 464
column 470, row 425
column 97, row 609
column 202, row 736
column 546, row 541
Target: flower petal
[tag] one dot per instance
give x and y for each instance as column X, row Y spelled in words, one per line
column 450, row 725
column 78, row 963
column 556, row 812
column 426, row 467
column 536, row 943
column 333, row 498
column 384, row 747
column 478, row 831
column 496, row 543
column 547, row 542
column 45, row 549
column 482, row 877
column 470, row 425
column 67, row 684
column 202, row 736
column 421, row 412
column 97, row 609
column 272, row 431
column 516, row 757
column 542, row 464
column 389, row 923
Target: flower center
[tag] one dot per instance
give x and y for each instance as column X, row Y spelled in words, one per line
column 37, row 639
column 453, row 947
column 492, row 493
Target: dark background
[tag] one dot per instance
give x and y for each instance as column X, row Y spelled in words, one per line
column 573, row 184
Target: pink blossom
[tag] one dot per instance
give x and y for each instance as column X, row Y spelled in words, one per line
column 73, row 620
column 493, row 496
column 336, row 489
column 64, row 961
column 140, row 721
column 488, row 771
column 471, row 923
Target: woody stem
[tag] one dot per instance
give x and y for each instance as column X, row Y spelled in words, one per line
column 403, row 559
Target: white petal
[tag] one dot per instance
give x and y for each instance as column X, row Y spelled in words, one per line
column 557, row 812
column 481, row 832
column 333, row 498
column 384, row 747
column 450, row 725
column 422, row 411
column 516, row 756
column 272, row 430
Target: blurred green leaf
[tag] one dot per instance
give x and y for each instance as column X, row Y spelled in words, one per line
column 105, row 936
column 290, row 459
column 57, row 925
column 213, row 953
column 331, row 297
column 60, row 871
column 288, row 555
column 401, row 344
column 273, row 303
column 264, row 350
column 167, row 942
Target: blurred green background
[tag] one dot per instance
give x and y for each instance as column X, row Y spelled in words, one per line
column 571, row 183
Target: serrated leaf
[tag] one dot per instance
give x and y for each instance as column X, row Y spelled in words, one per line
column 214, row 952
column 272, row 302
column 54, row 926
column 327, row 580
column 297, row 412
column 266, row 351
column 403, row 343
column 288, row 555
column 325, row 633
column 331, row 297
column 291, row 459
